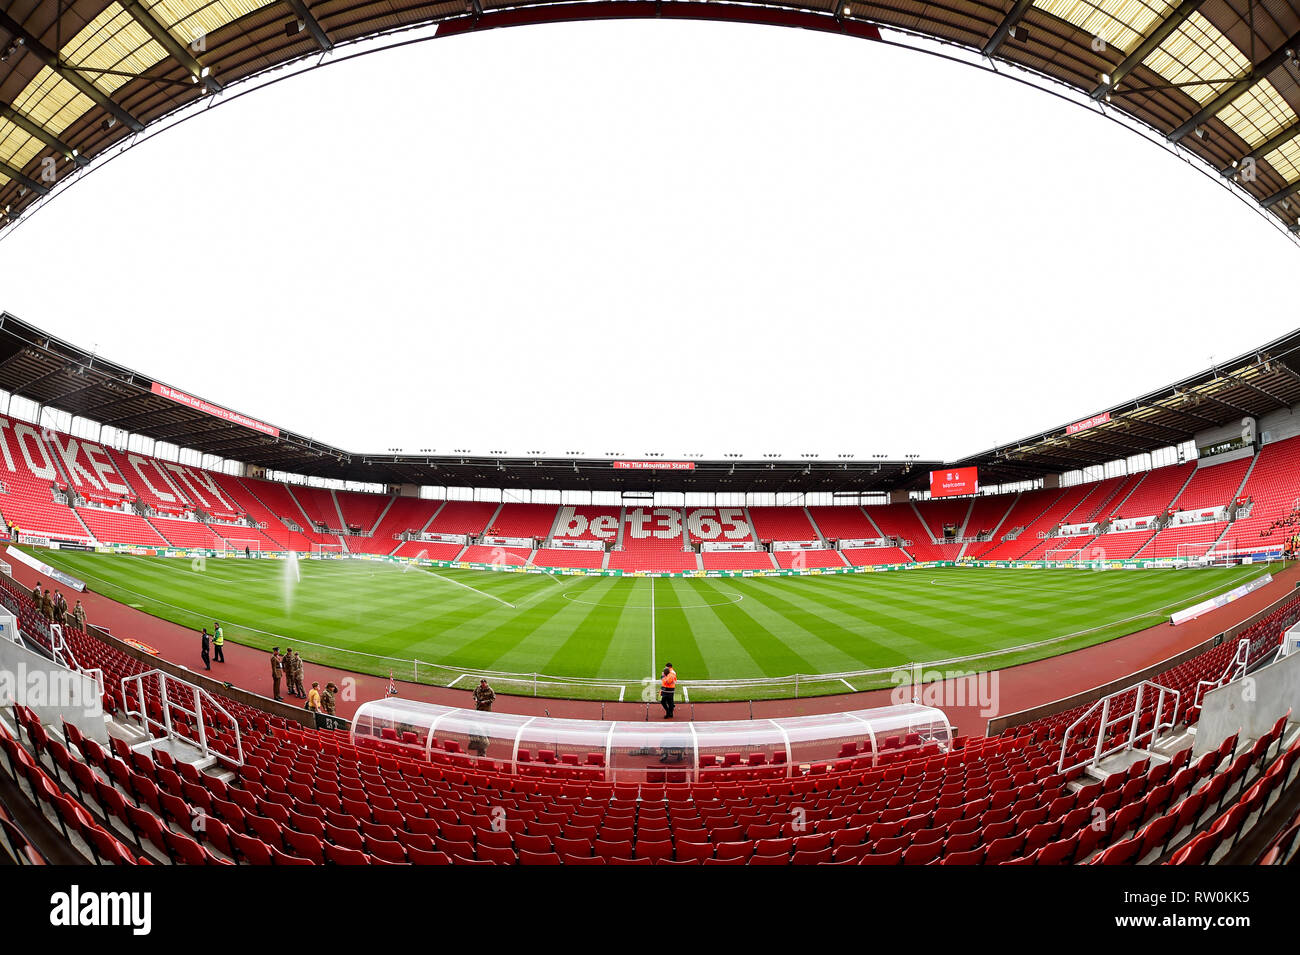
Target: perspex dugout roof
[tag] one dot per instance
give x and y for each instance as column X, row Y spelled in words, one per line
column 634, row 751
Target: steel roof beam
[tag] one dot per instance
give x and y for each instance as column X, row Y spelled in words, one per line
column 311, row 23
column 52, row 60
column 1243, row 85
column 1281, row 138
column 40, row 132
column 1148, row 46
column 17, row 176
column 164, row 37
column 1005, row 27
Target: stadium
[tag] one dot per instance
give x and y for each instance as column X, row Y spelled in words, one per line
column 1075, row 648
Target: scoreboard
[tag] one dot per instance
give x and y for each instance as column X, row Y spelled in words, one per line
column 954, row 482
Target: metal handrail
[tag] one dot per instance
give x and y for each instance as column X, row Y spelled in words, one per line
column 1235, row 670
column 200, row 695
column 1100, row 750
column 64, row 656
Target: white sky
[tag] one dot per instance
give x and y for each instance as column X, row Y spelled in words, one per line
column 653, row 236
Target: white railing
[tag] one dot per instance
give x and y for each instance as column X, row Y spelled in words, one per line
column 1142, row 694
column 1236, row 670
column 164, row 680
column 64, row 657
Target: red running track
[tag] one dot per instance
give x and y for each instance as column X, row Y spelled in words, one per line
column 1019, row 688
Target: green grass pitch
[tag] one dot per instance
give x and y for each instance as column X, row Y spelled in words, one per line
column 375, row 616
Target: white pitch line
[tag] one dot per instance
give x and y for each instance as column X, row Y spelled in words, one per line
column 653, row 656
column 849, row 685
column 466, row 586
column 686, row 694
column 457, row 680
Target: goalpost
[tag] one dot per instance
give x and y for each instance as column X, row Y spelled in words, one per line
column 241, row 546
column 1203, row 554
column 327, row 551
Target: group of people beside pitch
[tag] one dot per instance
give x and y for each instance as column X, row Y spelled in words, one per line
column 54, row 607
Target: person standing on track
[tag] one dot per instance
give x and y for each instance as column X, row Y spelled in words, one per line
column 667, row 687
column 79, row 616
column 203, row 649
column 218, row 641
column 277, row 670
column 484, row 696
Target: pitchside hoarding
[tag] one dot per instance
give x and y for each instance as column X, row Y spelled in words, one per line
column 954, row 482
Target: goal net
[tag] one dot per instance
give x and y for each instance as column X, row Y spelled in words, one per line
column 241, row 547
column 1202, row 554
column 327, row 551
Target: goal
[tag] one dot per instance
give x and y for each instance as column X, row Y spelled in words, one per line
column 1204, row 554
column 241, row 547
column 327, row 551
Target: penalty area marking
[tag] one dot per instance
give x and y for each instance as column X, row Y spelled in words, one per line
column 466, row 586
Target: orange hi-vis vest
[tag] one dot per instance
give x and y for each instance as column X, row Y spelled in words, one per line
column 670, row 680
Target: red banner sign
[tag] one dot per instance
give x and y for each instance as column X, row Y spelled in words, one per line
column 180, row 397
column 954, row 482
column 654, row 465
column 1089, row 423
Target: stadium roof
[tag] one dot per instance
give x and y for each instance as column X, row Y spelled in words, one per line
column 54, row 373
column 1219, row 79
column 1250, row 385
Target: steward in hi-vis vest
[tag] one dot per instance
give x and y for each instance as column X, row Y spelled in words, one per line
column 667, row 684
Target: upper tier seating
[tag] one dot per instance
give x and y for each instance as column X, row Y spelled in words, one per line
column 407, row 515
column 1027, row 506
column 1154, row 493
column 523, row 520
column 1099, row 493
column 150, row 481
column 89, row 469
column 987, row 514
column 202, row 489
column 272, row 527
column 903, row 522
column 1212, row 486
column 1059, row 503
column 1274, row 493
column 652, row 540
column 318, row 504
column 940, row 512
column 843, row 522
column 280, row 502
column 463, row 517
column 718, row 524
column 29, row 475
column 588, row 523
column 782, row 524
column 361, row 511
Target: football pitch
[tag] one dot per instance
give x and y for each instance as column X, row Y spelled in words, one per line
column 604, row 637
